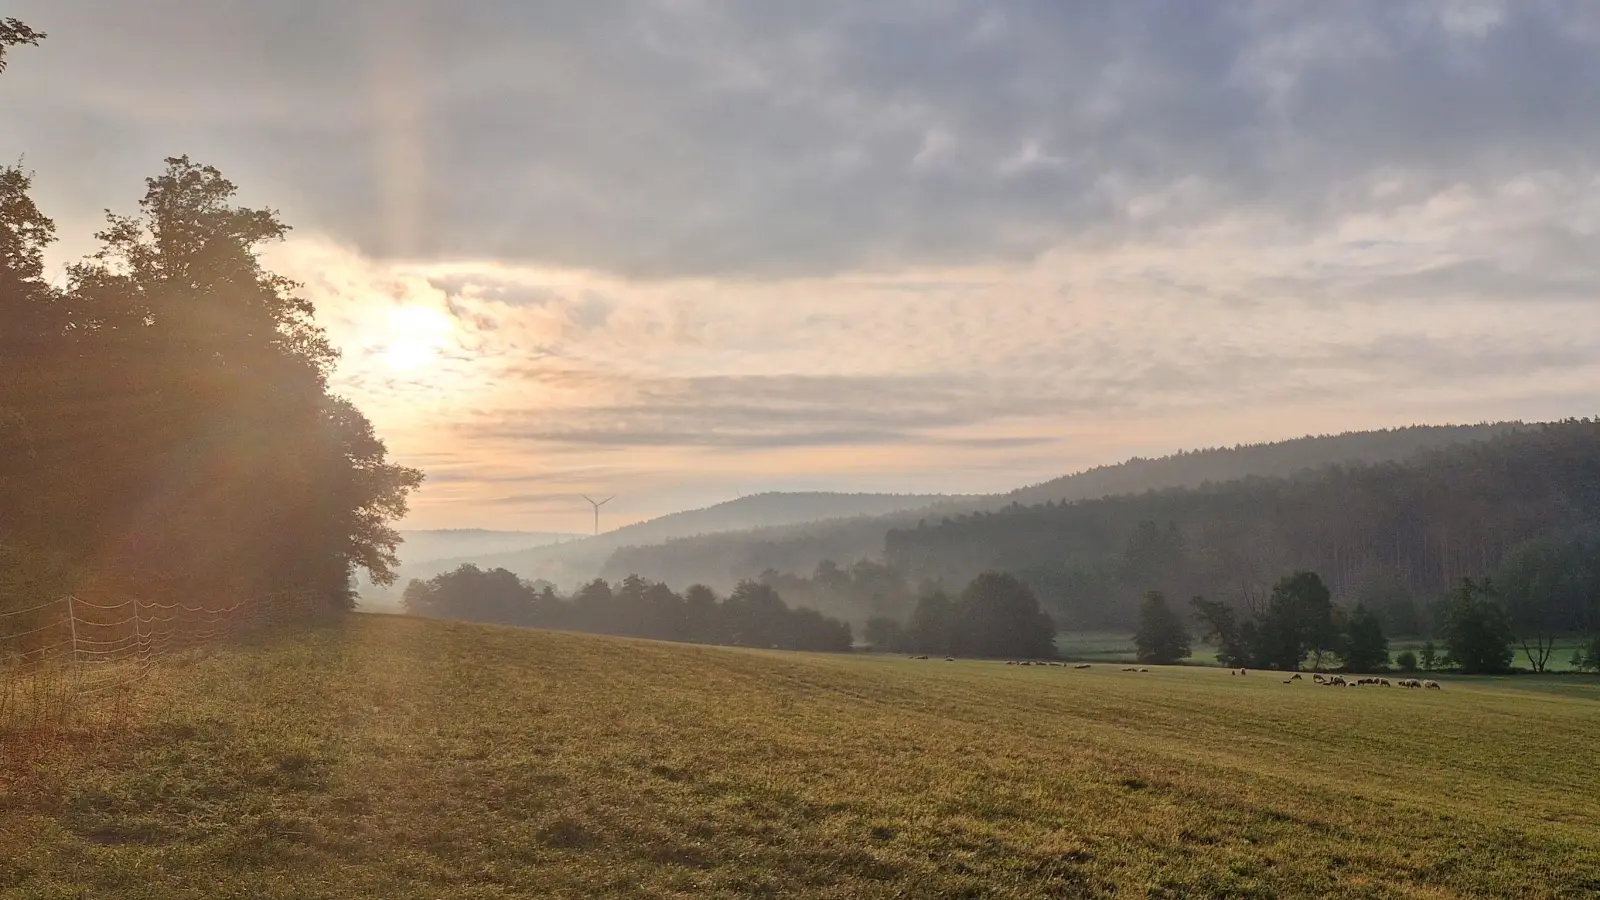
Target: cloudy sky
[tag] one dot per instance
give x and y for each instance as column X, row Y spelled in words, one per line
column 679, row 249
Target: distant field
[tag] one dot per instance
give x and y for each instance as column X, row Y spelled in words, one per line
column 1117, row 646
column 400, row 758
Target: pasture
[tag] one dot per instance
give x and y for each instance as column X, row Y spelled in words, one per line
column 415, row 759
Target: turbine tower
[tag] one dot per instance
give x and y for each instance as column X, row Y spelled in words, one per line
column 597, row 505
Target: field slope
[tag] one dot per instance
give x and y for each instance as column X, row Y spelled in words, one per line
column 401, row 758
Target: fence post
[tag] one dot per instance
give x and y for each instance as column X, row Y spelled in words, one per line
column 72, row 622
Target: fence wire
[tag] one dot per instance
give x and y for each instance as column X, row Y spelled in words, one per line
column 54, row 655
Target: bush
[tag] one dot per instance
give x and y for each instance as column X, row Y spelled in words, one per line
column 1587, row 657
column 1406, row 661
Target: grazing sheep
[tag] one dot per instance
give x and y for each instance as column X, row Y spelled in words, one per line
column 919, row 657
column 1144, row 670
column 1385, row 682
column 949, row 659
column 1130, row 669
column 1338, row 680
column 1296, row 677
column 1317, row 677
column 1011, row 662
column 1288, row 681
column 1082, row 666
column 1432, row 685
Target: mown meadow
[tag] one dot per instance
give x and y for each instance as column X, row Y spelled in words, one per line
column 409, row 758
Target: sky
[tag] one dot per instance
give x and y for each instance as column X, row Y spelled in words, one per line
column 679, row 250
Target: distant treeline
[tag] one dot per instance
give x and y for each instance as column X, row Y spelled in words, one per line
column 719, row 559
column 995, row 615
column 1393, row 537
column 753, row 615
column 166, row 424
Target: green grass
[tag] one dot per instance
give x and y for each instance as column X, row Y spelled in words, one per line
column 410, row 759
column 1560, row 660
column 1117, row 646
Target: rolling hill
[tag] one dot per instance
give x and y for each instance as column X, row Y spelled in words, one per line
column 577, row 560
column 721, row 559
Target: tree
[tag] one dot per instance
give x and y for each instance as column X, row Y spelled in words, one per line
column 932, row 625
column 1429, row 656
column 1162, row 638
column 1365, row 647
column 172, row 406
column 998, row 615
column 473, row 595
column 1220, row 628
column 1477, row 632
column 1406, row 661
column 884, row 633
column 1587, row 657
column 15, row 34
column 1547, row 586
column 702, row 617
column 1298, row 620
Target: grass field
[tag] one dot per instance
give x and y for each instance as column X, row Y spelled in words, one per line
column 410, row 759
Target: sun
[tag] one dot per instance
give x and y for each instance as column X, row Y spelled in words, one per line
column 417, row 336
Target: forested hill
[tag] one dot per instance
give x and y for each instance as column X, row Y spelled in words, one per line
column 1393, row 535
column 1194, row 468
column 579, row 560
column 721, row 560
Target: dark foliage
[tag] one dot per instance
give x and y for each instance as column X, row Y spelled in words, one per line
column 1162, row 638
column 996, row 615
column 1297, row 622
column 752, row 616
column 165, row 419
column 1363, row 645
column 1387, row 535
column 1477, row 632
column 1070, row 574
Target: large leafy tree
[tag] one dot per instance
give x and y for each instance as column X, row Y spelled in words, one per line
column 170, row 414
column 1297, row 621
column 1365, row 647
column 1549, row 587
column 1477, row 632
column 998, row 615
column 1162, row 638
column 14, row 34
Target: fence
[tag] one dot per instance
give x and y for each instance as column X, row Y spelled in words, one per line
column 54, row 655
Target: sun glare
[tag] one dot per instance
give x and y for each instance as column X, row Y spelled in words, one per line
column 417, row 337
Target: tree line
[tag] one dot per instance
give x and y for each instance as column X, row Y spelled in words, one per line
column 166, row 421
column 752, row 615
column 1297, row 624
column 995, row 615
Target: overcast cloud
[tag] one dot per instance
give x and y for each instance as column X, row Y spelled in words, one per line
column 680, row 248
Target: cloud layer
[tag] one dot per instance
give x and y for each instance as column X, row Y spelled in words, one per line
column 684, row 245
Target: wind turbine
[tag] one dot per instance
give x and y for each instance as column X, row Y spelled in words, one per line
column 597, row 505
